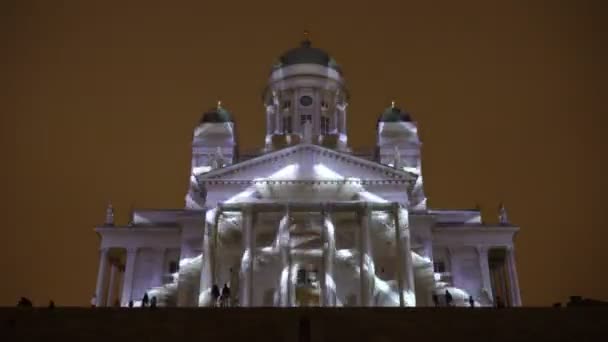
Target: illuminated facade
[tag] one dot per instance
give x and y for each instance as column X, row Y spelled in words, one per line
column 306, row 221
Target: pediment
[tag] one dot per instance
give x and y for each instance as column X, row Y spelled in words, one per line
column 307, row 162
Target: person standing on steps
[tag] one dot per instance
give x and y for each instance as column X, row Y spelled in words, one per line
column 225, row 297
column 145, row 300
column 215, row 294
column 448, row 298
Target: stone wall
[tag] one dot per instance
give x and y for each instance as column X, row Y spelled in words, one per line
column 315, row 324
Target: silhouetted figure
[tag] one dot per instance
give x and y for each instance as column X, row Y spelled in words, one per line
column 471, row 302
column 145, row 300
column 448, row 298
column 225, row 297
column 215, row 294
column 153, row 302
column 499, row 303
column 435, row 300
column 131, row 303
column 51, row 305
column 24, row 303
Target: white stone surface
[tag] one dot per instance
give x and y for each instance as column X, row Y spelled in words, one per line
column 261, row 223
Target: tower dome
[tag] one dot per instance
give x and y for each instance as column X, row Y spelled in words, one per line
column 394, row 114
column 217, row 115
column 306, row 54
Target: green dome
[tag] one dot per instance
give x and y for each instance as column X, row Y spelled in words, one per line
column 217, row 115
column 306, row 54
column 394, row 114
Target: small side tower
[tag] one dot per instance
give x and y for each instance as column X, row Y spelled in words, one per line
column 398, row 145
column 214, row 146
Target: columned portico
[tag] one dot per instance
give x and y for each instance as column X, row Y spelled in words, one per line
column 285, row 291
column 112, row 283
column 101, row 276
column 512, row 274
column 329, row 251
column 484, row 268
column 248, row 262
column 127, row 286
column 365, row 261
column 405, row 274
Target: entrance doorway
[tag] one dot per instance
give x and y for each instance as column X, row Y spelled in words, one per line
column 308, row 287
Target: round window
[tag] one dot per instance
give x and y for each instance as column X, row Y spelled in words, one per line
column 305, row 100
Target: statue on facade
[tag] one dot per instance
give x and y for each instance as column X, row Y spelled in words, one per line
column 217, row 159
column 502, row 215
column 109, row 215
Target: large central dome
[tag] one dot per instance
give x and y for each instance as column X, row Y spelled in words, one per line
column 306, row 54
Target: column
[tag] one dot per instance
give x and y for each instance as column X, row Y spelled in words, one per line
column 127, row 286
column 249, row 258
column 513, row 279
column 484, row 268
column 451, row 252
column 405, row 272
column 328, row 260
column 428, row 248
column 112, row 285
column 343, row 121
column 364, row 256
column 285, row 288
column 207, row 255
column 101, row 276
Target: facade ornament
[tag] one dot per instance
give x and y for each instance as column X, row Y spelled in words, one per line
column 109, row 215
column 503, row 219
column 200, row 190
column 132, row 216
column 275, row 99
column 397, row 158
column 217, row 159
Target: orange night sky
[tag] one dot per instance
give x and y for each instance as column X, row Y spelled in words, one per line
column 101, row 98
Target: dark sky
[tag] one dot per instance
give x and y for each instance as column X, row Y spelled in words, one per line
column 102, row 97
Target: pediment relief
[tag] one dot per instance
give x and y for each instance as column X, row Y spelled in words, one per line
column 308, row 157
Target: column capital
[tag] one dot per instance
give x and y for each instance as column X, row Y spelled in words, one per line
column 482, row 249
column 246, row 208
column 363, row 208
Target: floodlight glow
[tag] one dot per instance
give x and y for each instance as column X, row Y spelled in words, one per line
column 197, row 170
column 241, row 196
column 187, row 261
column 325, row 173
column 286, row 173
column 370, row 197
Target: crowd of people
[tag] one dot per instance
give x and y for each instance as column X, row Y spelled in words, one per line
column 449, row 300
column 222, row 298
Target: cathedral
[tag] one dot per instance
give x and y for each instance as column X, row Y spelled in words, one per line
column 306, row 220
